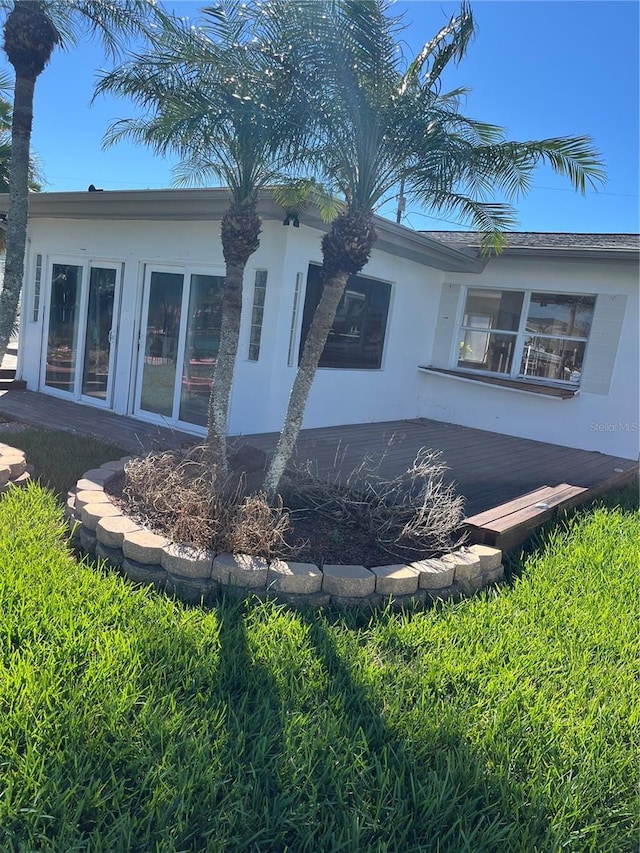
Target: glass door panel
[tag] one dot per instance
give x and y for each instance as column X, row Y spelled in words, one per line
column 164, row 301
column 64, row 315
column 202, row 343
column 97, row 347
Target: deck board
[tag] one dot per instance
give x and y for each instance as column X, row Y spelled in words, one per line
column 488, row 468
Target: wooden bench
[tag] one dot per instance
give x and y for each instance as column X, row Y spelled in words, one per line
column 509, row 524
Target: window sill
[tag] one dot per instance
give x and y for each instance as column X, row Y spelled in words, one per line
column 526, row 385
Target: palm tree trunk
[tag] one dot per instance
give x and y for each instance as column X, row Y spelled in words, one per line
column 18, row 215
column 316, row 339
column 240, row 239
column 345, row 251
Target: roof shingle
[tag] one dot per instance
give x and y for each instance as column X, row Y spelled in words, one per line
column 543, row 240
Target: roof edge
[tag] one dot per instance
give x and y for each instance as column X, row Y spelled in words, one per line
column 205, row 203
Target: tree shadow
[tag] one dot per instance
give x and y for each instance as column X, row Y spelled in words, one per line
column 432, row 792
column 239, row 752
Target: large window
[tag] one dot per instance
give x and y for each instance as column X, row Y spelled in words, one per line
column 528, row 335
column 356, row 339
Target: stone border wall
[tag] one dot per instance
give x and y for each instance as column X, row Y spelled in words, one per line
column 14, row 470
column 101, row 529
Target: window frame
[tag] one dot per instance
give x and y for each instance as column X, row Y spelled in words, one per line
column 515, row 373
column 386, row 326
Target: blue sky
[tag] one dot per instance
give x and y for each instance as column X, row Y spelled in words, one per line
column 537, row 68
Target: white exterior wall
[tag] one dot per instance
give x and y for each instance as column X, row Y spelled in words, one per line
column 342, row 396
column 591, row 421
column 261, row 389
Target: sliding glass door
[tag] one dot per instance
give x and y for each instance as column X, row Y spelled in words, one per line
column 99, row 333
column 81, row 320
column 179, row 342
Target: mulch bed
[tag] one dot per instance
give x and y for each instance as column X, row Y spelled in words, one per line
column 313, row 538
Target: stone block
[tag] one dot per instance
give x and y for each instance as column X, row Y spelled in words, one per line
column 296, row 578
column 144, row 573
column 242, row 593
column 313, row 601
column 398, row 602
column 98, row 475
column 93, row 512
column 493, row 575
column 186, row 561
column 466, row 565
column 191, row 590
column 21, row 480
column 398, row 579
column 70, row 509
column 110, row 530
column 434, row 574
column 361, row 602
column 84, row 485
column 91, row 497
column 16, row 462
column 348, row 581
column 453, row 592
column 490, row 558
column 241, row 570
column 143, row 546
column 87, row 540
column 117, row 465
column 113, row 556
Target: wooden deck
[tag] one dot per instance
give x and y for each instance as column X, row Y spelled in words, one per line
column 489, row 469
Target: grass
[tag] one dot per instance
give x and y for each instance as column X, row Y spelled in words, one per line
column 60, row 458
column 129, row 722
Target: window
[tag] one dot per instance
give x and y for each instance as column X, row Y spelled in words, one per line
column 36, row 288
column 531, row 335
column 294, row 319
column 257, row 314
column 356, row 339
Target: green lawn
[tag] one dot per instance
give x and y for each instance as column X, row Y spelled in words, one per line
column 60, row 458
column 131, row 723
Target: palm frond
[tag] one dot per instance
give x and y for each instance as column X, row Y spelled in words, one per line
column 114, row 23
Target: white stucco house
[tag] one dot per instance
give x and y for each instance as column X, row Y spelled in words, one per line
column 121, row 310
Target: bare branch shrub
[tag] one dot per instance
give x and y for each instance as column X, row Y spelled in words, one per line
column 412, row 515
column 181, row 494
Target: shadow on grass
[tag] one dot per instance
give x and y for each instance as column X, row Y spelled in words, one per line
column 428, row 793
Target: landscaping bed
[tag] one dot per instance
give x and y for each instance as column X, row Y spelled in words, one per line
column 198, row 574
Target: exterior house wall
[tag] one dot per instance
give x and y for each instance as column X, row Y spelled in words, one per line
column 261, row 389
column 422, row 329
column 592, row 420
column 342, row 396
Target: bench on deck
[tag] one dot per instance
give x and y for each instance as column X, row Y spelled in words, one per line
column 509, row 524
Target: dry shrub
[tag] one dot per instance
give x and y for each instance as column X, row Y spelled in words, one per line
column 413, row 515
column 180, row 494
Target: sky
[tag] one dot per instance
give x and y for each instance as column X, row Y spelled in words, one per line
column 539, row 69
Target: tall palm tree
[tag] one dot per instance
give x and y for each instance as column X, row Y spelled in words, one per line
column 221, row 98
column 381, row 122
column 5, row 149
column 32, row 30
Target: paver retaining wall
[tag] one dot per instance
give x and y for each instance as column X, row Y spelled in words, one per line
column 14, row 470
column 194, row 574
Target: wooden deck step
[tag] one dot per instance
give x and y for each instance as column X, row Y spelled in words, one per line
column 509, row 524
column 13, row 385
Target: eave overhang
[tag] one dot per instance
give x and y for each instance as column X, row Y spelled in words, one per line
column 210, row 204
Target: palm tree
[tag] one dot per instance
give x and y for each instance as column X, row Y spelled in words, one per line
column 221, row 98
column 381, row 122
column 5, row 150
column 32, row 30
